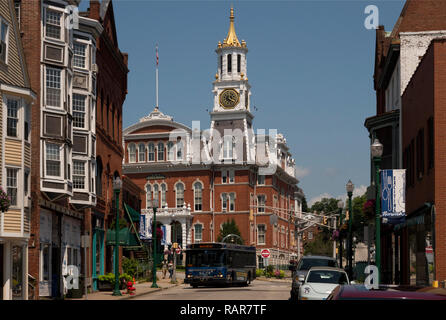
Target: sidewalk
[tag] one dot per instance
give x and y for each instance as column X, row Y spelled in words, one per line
column 141, row 289
column 272, row 279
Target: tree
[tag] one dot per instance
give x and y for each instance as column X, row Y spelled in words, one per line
column 328, row 205
column 319, row 246
column 230, row 227
column 359, row 218
column 304, row 205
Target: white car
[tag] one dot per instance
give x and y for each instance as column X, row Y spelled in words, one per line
column 320, row 282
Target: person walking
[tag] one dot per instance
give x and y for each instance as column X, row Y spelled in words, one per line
column 164, row 268
column 170, row 267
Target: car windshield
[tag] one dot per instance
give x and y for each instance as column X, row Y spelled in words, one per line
column 306, row 264
column 327, row 276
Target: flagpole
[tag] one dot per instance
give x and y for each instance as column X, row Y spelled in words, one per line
column 156, row 77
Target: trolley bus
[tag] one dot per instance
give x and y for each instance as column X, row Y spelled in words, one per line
column 220, row 264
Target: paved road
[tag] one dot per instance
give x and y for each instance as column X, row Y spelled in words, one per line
column 258, row 290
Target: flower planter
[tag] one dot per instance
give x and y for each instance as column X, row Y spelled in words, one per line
column 105, row 286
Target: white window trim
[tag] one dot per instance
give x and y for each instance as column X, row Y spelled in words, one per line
column 6, row 39
column 147, row 195
column 86, row 182
column 224, row 173
column 184, row 190
column 202, row 228
column 163, row 204
column 62, row 89
column 87, row 53
column 19, row 186
column 223, row 202
column 46, row 8
column 128, row 151
column 87, row 124
column 157, row 151
column 231, row 176
column 258, row 234
column 202, row 188
column 61, row 160
column 233, row 196
column 20, row 117
column 145, row 152
column 148, row 152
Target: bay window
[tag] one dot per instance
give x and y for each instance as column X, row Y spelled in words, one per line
column 79, row 55
column 13, row 118
column 53, row 87
column 11, row 185
column 53, row 24
column 78, row 174
column 79, row 110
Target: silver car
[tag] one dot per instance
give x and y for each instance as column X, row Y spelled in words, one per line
column 320, row 282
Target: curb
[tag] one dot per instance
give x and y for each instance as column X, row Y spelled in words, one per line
column 149, row 292
column 274, row 280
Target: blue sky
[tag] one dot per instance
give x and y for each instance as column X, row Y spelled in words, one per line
column 310, row 65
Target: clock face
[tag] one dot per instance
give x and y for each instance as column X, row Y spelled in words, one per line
column 229, row 98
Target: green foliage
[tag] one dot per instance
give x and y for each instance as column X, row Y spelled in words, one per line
column 130, row 266
column 259, row 272
column 327, row 205
column 110, row 277
column 319, row 246
column 269, row 271
column 230, row 227
column 359, row 218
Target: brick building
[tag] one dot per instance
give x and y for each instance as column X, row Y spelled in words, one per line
column 424, row 150
column 202, row 179
column 80, row 78
column 112, row 70
column 397, row 55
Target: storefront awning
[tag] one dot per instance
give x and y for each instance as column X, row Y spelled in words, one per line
column 134, row 215
column 125, row 238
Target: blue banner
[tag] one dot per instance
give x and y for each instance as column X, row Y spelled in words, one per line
column 393, row 195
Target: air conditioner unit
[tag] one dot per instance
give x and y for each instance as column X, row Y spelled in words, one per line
column 94, row 68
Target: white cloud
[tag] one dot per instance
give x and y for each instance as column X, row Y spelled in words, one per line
column 319, row 198
column 301, row 172
column 358, row 191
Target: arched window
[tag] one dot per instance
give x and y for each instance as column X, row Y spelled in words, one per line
column 156, row 194
column 151, row 152
column 160, row 151
column 141, row 153
column 163, row 195
column 148, row 196
column 170, row 151
column 198, row 196
column 132, row 152
column 179, row 150
column 229, row 63
column 99, row 176
column 179, row 190
column 228, row 146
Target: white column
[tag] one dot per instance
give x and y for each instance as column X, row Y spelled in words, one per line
column 184, row 233
column 7, row 271
column 189, row 232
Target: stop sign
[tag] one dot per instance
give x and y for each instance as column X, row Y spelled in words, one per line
column 265, row 253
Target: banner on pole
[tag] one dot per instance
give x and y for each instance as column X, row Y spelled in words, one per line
column 393, row 195
column 145, row 227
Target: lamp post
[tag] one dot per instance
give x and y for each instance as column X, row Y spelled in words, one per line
column 377, row 150
column 155, row 207
column 117, row 186
column 350, row 187
column 340, row 207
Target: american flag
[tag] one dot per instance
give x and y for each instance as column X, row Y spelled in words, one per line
column 157, row 58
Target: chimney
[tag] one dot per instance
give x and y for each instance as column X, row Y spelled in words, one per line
column 95, row 6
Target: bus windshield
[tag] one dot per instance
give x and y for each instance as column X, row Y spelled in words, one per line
column 205, row 258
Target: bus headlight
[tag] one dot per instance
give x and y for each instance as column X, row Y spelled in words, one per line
column 220, row 275
column 189, row 275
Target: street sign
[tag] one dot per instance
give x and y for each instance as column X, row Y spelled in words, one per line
column 265, row 253
column 265, row 262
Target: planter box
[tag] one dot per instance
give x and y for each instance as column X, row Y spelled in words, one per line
column 105, row 286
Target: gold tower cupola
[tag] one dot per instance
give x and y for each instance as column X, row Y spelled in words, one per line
column 231, row 39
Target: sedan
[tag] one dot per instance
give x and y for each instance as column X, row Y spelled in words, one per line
column 320, row 282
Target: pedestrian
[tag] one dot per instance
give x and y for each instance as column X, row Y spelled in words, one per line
column 170, row 267
column 164, row 268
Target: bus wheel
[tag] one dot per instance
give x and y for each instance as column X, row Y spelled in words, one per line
column 194, row 286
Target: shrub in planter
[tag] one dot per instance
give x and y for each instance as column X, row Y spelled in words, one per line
column 106, row 282
column 269, row 271
column 130, row 266
column 259, row 272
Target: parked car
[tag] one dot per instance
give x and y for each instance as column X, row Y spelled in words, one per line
column 300, row 270
column 320, row 282
column 386, row 292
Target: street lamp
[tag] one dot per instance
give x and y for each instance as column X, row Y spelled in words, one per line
column 117, row 186
column 377, row 150
column 155, row 207
column 350, row 187
column 340, row 207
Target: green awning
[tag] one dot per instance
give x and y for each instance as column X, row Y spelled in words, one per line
column 134, row 215
column 125, row 238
